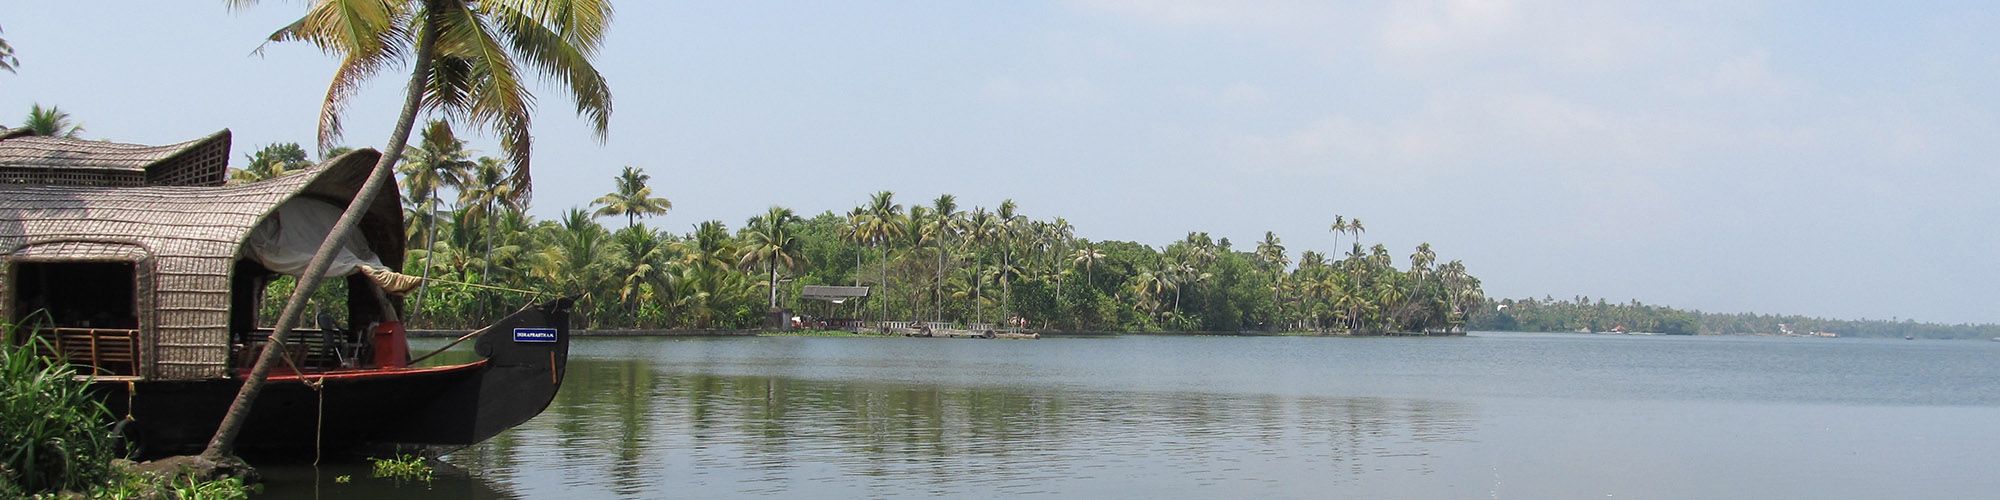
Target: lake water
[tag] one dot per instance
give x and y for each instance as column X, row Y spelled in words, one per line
column 1528, row 416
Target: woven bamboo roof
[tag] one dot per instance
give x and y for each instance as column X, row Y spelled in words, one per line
column 185, row 241
column 32, row 159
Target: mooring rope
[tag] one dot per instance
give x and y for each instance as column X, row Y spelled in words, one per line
column 319, row 388
column 463, row 338
column 477, row 285
column 319, row 422
column 532, row 295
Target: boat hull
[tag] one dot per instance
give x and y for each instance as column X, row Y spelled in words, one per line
column 366, row 411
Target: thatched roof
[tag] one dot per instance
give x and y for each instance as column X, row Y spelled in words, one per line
column 186, row 241
column 32, row 159
column 833, row 293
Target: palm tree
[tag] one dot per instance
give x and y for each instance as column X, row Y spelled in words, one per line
column 1272, row 252
column 771, row 244
column 274, row 160
column 1006, row 232
column 439, row 160
column 485, row 193
column 632, row 199
column 854, row 229
column 945, row 222
column 576, row 254
column 1088, row 256
column 1060, row 233
column 465, row 58
column 51, row 122
column 1420, row 268
column 709, row 247
column 1339, row 226
column 644, row 276
column 883, row 214
column 7, row 60
column 981, row 228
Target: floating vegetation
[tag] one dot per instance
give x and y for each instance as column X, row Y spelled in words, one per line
column 403, row 467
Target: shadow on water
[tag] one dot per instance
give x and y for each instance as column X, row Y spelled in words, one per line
column 621, row 428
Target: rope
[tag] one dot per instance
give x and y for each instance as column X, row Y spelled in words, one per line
column 463, row 338
column 319, row 422
column 477, row 285
column 319, row 388
column 533, row 296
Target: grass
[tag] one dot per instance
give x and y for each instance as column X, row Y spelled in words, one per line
column 402, row 468
column 56, row 442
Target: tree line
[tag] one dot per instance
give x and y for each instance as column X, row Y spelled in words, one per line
column 470, row 235
column 1549, row 314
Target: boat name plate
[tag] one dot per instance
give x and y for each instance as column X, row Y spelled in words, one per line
column 543, row 335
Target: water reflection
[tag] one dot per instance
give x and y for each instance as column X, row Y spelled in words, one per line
column 621, row 427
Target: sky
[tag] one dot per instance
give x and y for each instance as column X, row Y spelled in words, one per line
column 1823, row 158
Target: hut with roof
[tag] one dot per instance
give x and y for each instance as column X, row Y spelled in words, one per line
column 138, row 262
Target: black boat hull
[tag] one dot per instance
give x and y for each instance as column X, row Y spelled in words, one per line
column 362, row 412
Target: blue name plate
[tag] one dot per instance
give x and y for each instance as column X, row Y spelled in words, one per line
column 534, row 335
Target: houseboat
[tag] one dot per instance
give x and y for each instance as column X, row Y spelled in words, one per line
column 144, row 269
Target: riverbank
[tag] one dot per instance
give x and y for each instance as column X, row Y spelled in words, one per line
column 848, row 333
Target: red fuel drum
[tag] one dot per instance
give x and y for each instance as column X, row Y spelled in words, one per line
column 392, row 346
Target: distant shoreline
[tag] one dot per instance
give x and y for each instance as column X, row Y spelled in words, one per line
column 842, row 333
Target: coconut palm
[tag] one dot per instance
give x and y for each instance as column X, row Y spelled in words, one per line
column 1271, row 252
column 883, row 214
column 709, row 247
column 945, row 222
column 1088, row 256
column 1006, row 233
column 7, row 60
column 981, row 229
column 632, row 198
column 273, row 160
column 51, row 122
column 577, row 255
column 644, row 278
column 915, row 237
column 465, row 58
column 854, row 229
column 770, row 243
column 439, row 160
column 485, row 193
column 1060, row 233
column 1339, row 226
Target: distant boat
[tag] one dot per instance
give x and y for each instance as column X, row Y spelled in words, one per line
column 1909, row 337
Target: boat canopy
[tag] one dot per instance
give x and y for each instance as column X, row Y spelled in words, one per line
column 178, row 251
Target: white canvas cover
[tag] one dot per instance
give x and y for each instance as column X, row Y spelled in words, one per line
column 285, row 241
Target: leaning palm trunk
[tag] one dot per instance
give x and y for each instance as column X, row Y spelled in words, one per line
column 315, row 272
column 430, row 252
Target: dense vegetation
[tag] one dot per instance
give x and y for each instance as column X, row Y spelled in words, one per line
column 470, row 234
column 55, row 441
column 1549, row 314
